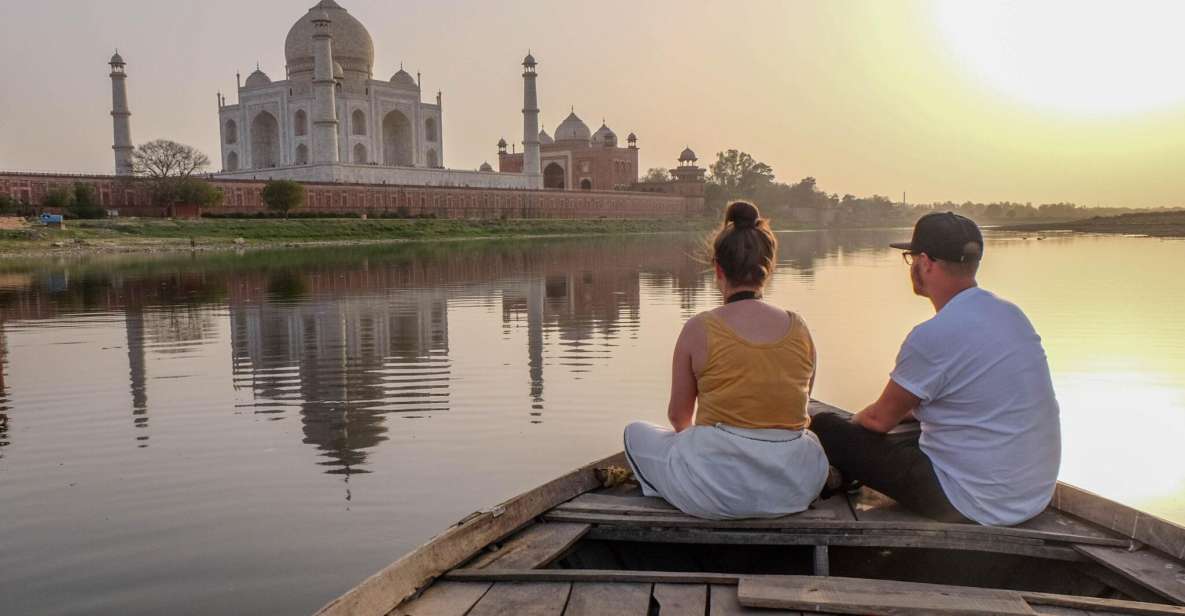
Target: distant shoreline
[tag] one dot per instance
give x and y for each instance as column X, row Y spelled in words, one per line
column 1152, row 224
column 156, row 236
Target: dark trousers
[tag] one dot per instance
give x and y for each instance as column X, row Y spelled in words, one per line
column 894, row 465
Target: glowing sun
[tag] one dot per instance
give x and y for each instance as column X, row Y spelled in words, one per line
column 1081, row 57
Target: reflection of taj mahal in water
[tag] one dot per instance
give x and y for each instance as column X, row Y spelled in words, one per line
column 330, row 120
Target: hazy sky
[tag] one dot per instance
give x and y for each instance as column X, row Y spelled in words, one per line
column 1028, row 101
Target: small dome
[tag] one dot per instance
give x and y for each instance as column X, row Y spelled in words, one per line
column 605, row 136
column 258, row 79
column 529, row 60
column 544, row 138
column 687, row 156
column 403, row 79
column 116, row 60
column 572, row 129
column 338, row 71
column 631, row 137
column 502, row 143
column 486, row 167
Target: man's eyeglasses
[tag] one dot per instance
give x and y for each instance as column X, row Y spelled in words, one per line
column 909, row 257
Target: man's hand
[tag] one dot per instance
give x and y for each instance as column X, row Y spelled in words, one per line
column 894, row 405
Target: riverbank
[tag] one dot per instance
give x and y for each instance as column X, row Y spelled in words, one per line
column 1154, row 224
column 153, row 236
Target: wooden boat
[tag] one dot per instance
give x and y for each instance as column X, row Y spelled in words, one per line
column 571, row 548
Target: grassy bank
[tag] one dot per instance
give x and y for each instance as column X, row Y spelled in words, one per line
column 1155, row 224
column 151, row 235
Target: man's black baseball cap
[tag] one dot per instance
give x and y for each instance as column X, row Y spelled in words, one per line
column 945, row 236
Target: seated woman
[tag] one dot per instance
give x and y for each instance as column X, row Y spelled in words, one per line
column 750, row 366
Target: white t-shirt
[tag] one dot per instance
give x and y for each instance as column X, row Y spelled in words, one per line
column 989, row 417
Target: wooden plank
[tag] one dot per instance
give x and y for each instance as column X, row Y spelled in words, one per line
column 872, row 506
column 591, row 575
column 1160, row 534
column 608, row 599
column 1055, row 521
column 838, row 505
column 1046, row 610
column 1097, row 605
column 681, row 599
column 610, row 502
column 1148, row 568
column 815, row 521
column 532, row 548
column 444, row 599
column 523, row 599
column 882, row 539
column 383, row 591
column 724, row 602
column 881, row 597
column 647, row 513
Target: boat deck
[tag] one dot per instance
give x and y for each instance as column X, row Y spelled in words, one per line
column 571, row 547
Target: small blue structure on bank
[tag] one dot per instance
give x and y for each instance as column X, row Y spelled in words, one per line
column 52, row 220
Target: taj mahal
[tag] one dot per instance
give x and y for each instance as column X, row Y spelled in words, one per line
column 330, row 120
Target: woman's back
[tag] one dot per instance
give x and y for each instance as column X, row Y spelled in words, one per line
column 754, row 368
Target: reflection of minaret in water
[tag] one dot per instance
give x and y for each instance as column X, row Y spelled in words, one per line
column 535, row 291
column 3, row 390
column 134, row 328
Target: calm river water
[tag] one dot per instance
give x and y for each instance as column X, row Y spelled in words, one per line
column 254, row 434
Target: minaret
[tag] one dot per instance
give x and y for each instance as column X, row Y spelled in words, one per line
column 325, row 149
column 531, row 165
column 121, row 116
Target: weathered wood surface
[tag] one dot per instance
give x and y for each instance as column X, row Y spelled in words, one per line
column 724, row 602
column 523, row 599
column 908, row 539
column 681, row 599
column 1148, row 568
column 383, row 591
column 839, row 507
column 815, row 520
column 1151, row 530
column 445, row 599
column 591, row 575
column 611, row 503
column 536, row 546
column 607, row 599
column 872, row 506
column 885, row 598
column 1096, row 605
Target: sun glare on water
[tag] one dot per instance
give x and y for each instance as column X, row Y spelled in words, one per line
column 1080, row 57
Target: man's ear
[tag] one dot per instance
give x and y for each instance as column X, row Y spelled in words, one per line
column 719, row 271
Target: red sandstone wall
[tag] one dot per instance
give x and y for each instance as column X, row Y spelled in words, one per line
column 441, row 202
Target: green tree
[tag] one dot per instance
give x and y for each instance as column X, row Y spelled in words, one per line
column 85, row 202
column 283, row 195
column 60, row 197
column 737, row 175
column 192, row 191
column 8, row 205
column 657, row 175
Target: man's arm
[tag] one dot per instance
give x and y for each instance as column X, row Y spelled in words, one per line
column 894, row 405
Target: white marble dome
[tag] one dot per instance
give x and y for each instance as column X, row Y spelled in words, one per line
column 352, row 45
column 258, row 79
column 403, row 79
column 572, row 129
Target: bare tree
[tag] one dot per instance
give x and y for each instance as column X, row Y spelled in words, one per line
column 167, row 159
column 168, row 167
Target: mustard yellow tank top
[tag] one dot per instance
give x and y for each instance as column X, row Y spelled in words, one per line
column 756, row 385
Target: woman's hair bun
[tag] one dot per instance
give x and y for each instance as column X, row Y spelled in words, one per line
column 742, row 214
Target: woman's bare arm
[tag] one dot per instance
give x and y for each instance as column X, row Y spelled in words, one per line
column 684, row 390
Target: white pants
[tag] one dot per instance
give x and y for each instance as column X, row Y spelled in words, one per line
column 722, row 472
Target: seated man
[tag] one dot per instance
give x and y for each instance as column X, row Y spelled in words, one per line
column 976, row 378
